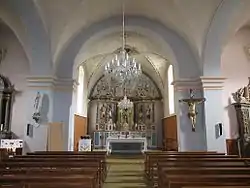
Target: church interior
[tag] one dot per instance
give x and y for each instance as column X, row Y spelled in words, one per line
column 125, row 93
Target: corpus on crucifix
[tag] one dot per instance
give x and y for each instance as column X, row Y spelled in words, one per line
column 192, row 102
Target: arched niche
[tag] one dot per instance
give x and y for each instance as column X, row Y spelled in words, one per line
column 6, row 99
column 104, row 115
column 142, row 89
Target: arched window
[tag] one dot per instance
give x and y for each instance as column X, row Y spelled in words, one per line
column 171, row 89
column 79, row 103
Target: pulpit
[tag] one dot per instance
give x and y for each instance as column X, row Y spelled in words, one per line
column 242, row 108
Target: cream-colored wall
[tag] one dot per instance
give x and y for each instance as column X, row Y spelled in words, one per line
column 236, row 68
column 16, row 67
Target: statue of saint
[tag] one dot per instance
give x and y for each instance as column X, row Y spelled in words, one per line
column 140, row 120
column 103, row 112
column 110, row 116
column 37, row 102
column 125, row 116
column 148, row 113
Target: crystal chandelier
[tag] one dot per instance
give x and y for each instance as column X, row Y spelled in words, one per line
column 125, row 103
column 123, row 67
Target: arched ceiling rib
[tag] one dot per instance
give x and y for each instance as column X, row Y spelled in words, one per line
column 230, row 17
column 10, row 18
column 38, row 39
column 64, row 18
column 46, row 27
column 94, row 67
column 184, row 55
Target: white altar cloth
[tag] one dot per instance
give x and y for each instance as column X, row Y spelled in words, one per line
column 125, row 140
column 11, row 143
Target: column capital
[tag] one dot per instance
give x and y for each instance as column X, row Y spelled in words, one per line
column 203, row 82
column 212, row 83
column 50, row 82
column 186, row 84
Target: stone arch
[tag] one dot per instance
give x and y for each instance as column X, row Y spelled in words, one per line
column 39, row 52
column 184, row 55
column 8, row 18
column 229, row 17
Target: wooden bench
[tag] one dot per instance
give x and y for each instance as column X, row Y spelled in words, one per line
column 26, row 180
column 153, row 161
column 87, row 165
column 176, row 170
column 194, row 163
column 89, row 155
column 150, row 156
column 179, row 181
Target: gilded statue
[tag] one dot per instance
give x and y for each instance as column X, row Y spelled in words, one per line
column 242, row 94
column 192, row 102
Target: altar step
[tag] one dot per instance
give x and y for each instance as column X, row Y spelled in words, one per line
column 125, row 171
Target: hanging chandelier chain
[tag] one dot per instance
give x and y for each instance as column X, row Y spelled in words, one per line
column 123, row 25
column 123, row 68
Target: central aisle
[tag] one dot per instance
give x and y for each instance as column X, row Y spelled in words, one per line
column 125, row 172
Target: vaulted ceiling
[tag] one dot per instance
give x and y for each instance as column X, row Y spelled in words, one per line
column 45, row 28
column 64, row 18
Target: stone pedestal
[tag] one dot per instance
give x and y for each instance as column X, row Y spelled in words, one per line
column 242, row 112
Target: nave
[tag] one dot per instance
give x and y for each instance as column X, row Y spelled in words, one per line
column 63, row 169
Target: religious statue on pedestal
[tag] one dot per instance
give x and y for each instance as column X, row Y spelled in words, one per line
column 37, row 107
column 242, row 94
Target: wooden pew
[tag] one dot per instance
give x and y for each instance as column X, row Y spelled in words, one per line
column 154, row 160
column 179, row 181
column 86, row 181
column 102, row 155
column 47, row 165
column 194, row 163
column 67, row 153
column 218, row 186
column 87, row 164
column 181, row 170
column 149, row 156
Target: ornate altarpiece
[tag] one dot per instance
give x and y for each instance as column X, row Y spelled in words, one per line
column 143, row 93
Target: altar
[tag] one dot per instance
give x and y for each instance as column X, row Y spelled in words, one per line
column 126, row 144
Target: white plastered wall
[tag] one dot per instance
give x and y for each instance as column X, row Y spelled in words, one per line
column 236, row 68
column 15, row 66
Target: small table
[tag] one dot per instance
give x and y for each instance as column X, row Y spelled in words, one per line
column 12, row 145
column 121, row 140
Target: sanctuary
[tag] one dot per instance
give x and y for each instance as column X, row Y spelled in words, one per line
column 178, row 64
column 109, row 121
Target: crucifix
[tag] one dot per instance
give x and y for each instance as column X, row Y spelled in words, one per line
column 192, row 102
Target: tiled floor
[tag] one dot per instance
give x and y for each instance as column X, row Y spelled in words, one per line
column 125, row 172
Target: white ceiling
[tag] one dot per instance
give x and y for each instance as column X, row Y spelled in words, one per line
column 64, row 18
column 196, row 21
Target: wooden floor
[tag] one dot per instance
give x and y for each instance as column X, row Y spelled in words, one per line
column 125, row 171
